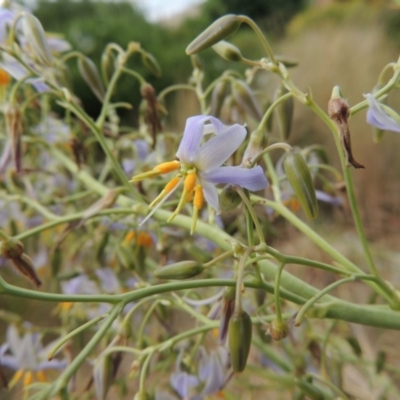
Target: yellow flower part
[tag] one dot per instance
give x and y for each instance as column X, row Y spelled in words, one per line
column 4, row 78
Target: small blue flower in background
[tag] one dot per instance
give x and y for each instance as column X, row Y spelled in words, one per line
column 27, row 356
column 200, row 166
column 381, row 116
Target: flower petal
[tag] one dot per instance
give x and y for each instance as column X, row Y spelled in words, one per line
column 193, row 135
column 378, row 117
column 250, row 178
column 219, row 148
column 211, row 195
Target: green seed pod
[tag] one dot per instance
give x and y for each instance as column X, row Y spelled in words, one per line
column 239, row 334
column 284, row 113
column 228, row 51
column 179, row 270
column 246, row 99
column 220, row 29
column 149, row 61
column 229, row 198
column 227, row 309
column 90, row 74
column 36, row 37
column 299, row 177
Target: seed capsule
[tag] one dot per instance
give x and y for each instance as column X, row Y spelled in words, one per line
column 179, row 270
column 220, row 29
column 239, row 334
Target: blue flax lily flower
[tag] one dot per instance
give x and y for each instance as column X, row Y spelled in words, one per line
column 381, row 116
column 200, row 166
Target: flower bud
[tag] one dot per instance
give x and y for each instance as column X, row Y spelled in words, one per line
column 278, row 330
column 218, row 97
column 149, row 61
column 107, row 66
column 90, row 75
column 179, row 270
column 300, row 180
column 228, row 51
column 220, row 29
column 25, row 266
column 35, row 35
column 246, row 99
column 239, row 333
column 284, row 113
column 229, row 198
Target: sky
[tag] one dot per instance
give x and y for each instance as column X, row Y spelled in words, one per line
column 156, row 10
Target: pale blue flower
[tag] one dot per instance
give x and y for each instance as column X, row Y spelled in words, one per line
column 200, row 165
column 381, row 116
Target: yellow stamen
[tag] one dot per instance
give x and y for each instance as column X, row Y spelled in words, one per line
column 190, row 181
column 66, row 305
column 169, row 166
column 171, row 184
column 4, row 78
column 28, row 379
column 129, row 236
column 17, row 376
column 41, row 376
column 198, row 200
column 144, row 239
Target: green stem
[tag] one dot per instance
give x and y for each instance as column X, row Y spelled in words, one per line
column 239, row 282
column 173, row 88
column 70, row 335
column 260, row 36
column 253, row 216
column 277, row 294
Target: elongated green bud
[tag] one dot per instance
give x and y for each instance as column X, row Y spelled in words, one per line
column 90, row 74
column 227, row 309
column 36, row 37
column 228, row 51
column 220, row 29
column 284, row 113
column 179, row 270
column 300, row 180
column 149, row 61
column 229, row 198
column 246, row 99
column 107, row 66
column 239, row 334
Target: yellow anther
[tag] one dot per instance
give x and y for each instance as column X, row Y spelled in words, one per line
column 4, row 78
column 190, row 181
column 129, row 236
column 169, row 166
column 28, row 379
column 18, row 375
column 171, row 184
column 41, row 376
column 198, row 200
column 144, row 239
